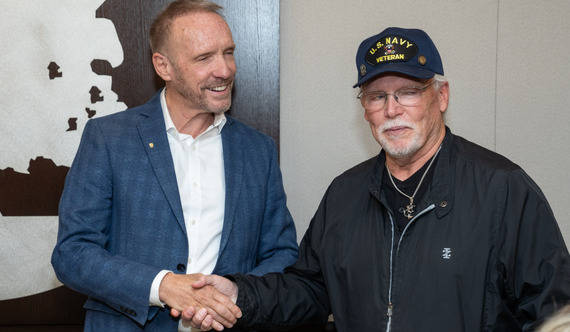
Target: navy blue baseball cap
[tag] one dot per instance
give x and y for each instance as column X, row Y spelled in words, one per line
column 406, row 51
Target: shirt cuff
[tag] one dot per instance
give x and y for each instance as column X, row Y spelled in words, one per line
column 154, row 298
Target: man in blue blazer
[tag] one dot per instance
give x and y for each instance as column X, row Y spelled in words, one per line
column 172, row 188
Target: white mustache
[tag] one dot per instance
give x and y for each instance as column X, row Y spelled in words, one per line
column 396, row 123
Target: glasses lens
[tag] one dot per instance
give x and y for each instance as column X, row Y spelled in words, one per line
column 374, row 100
column 409, row 96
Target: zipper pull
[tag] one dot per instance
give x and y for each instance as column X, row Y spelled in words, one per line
column 389, row 313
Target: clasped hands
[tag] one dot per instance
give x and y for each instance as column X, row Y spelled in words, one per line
column 206, row 302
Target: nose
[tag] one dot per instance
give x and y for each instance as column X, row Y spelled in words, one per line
column 225, row 67
column 392, row 108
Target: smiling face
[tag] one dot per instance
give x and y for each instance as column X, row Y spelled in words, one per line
column 200, row 66
column 407, row 132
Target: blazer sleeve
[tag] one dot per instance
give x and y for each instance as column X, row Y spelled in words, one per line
column 80, row 258
column 278, row 239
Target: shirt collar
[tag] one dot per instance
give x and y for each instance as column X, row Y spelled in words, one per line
column 219, row 118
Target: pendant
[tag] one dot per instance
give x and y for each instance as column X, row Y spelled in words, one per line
column 408, row 212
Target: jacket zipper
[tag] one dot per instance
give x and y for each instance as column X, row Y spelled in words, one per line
column 390, row 310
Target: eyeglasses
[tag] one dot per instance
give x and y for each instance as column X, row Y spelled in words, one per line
column 408, row 96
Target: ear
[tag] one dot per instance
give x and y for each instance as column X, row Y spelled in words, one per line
column 443, row 96
column 162, row 66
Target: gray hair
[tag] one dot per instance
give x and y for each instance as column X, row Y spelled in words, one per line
column 440, row 80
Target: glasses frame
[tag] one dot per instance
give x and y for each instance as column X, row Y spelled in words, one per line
column 394, row 94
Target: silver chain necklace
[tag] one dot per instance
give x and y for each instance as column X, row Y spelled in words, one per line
column 408, row 212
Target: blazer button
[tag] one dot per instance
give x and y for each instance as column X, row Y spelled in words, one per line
column 443, row 204
column 181, row 267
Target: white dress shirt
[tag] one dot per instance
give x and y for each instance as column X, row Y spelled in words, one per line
column 199, row 167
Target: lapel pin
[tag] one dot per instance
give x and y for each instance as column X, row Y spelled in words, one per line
column 151, row 145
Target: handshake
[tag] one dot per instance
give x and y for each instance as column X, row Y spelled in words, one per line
column 206, row 302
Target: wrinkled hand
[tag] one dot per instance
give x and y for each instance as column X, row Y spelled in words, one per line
column 201, row 319
column 212, row 308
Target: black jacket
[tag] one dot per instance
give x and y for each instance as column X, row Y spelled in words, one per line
column 484, row 254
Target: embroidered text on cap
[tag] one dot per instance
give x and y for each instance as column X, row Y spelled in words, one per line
column 390, row 49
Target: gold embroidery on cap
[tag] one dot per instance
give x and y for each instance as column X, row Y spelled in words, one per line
column 422, row 60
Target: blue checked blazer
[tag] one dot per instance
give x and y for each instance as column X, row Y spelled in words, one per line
column 121, row 221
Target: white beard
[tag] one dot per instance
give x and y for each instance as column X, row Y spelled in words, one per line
column 396, row 149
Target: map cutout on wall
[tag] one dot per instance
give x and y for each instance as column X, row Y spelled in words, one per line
column 49, row 91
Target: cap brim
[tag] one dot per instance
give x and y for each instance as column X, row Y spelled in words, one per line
column 396, row 68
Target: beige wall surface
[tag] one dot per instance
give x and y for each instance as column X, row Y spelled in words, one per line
column 507, row 62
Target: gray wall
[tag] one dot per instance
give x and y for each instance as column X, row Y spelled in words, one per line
column 507, row 62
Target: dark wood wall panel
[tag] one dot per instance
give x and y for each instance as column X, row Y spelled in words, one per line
column 256, row 32
column 60, row 307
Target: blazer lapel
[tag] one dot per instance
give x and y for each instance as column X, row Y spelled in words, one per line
column 233, row 170
column 154, row 137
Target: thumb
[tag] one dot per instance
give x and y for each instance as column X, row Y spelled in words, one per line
column 203, row 281
column 174, row 313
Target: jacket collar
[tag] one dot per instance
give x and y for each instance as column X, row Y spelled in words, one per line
column 440, row 192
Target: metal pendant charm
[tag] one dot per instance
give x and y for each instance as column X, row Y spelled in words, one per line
column 408, row 212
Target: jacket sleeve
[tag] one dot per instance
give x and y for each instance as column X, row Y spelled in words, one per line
column 534, row 259
column 80, row 258
column 278, row 238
